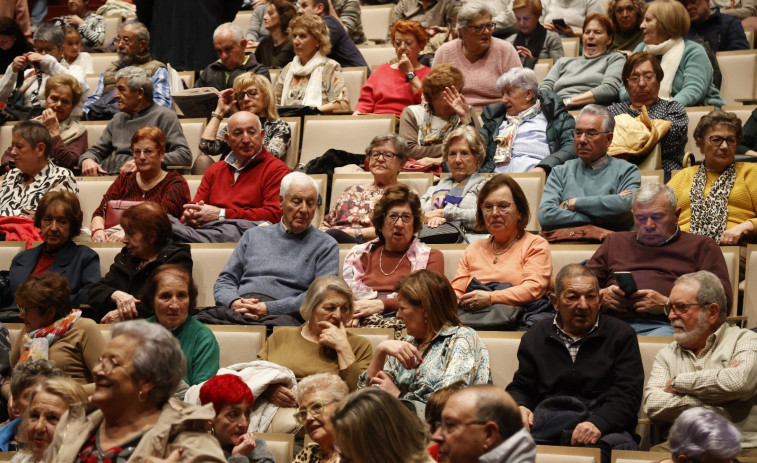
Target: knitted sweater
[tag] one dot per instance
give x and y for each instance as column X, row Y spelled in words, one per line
column 274, row 262
column 574, row 76
column 200, row 348
column 387, row 92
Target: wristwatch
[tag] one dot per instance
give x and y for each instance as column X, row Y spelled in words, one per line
column 410, row 76
column 222, row 214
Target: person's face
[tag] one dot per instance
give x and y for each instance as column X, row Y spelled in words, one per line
column 7, row 42
column 405, row 43
column 460, row 438
column 309, row 7
column 478, row 35
column 596, row 40
column 271, row 19
column 692, row 324
column 398, row 234
column 414, row 318
column 36, row 317
column 462, row 163
column 592, row 143
column 252, row 100
column 655, row 222
column 137, row 243
column 334, row 308
column 626, row 15
column 578, row 304
column 127, row 45
column 718, row 156
column 526, row 20
column 44, row 414
column 113, row 382
column 229, row 52
column 129, row 101
column 653, row 34
column 147, row 155
column 699, row 10
column 71, row 47
column 29, row 159
column 516, row 100
column 500, row 213
column 61, row 101
column 305, row 45
column 48, row 47
column 245, row 137
column 643, row 86
column 171, row 300
column 298, row 207
column 318, row 425
column 56, row 226
column 21, row 403
column 77, row 7
column 232, row 422
column 382, row 167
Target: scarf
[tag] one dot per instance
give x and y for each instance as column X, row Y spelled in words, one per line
column 672, row 52
column 70, row 130
column 506, row 134
column 314, row 71
column 427, row 135
column 709, row 215
column 37, row 343
column 534, row 42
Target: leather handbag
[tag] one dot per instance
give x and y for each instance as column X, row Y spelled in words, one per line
column 115, row 209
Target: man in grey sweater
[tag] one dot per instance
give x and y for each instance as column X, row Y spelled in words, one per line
column 112, row 152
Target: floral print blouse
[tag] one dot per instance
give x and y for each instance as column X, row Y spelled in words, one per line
column 353, row 208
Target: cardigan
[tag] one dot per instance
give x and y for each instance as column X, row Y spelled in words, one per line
column 387, row 91
column 466, row 210
column 574, row 76
column 172, row 193
column 200, row 348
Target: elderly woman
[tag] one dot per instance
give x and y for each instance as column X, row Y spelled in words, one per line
column 148, row 245
column 593, row 77
column 687, row 70
column 35, row 174
column 371, row 416
column 321, row 345
column 425, row 126
column 275, row 49
column 149, row 183
column 312, row 79
column 315, row 395
column 627, row 16
column 54, row 330
column 233, row 402
column 642, row 75
column 135, row 418
column 703, row 434
column 717, row 197
column 47, row 404
column 511, row 255
column 437, row 351
column 396, row 219
column 59, row 217
column 171, row 294
column 572, row 12
column 453, row 199
column 349, row 221
column 529, row 130
column 533, row 41
column 392, row 87
column 479, row 56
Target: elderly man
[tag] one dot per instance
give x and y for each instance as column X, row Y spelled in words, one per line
column 709, row 363
column 343, row 49
column 112, row 152
column 656, row 254
column 721, row 31
column 482, row 424
column 429, row 13
column 245, row 185
column 580, row 377
column 133, row 47
column 594, row 189
column 272, row 267
column 229, row 42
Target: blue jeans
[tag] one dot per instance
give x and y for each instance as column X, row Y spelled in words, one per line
column 650, row 327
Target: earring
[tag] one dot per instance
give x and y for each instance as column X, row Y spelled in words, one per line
column 141, row 396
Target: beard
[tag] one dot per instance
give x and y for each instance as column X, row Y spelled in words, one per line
column 125, row 58
column 687, row 338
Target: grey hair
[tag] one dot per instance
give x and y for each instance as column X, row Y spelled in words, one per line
column 470, row 11
column 140, row 30
column 573, row 271
column 490, row 406
column 475, row 141
column 703, row 432
column 523, row 78
column 50, row 33
column 296, row 178
column 400, row 146
column 229, row 28
column 29, row 373
column 328, row 385
column 648, row 192
column 159, row 359
column 710, row 290
column 137, row 78
column 317, row 292
column 608, row 120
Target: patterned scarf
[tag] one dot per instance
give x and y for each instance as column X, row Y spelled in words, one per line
column 506, row 134
column 709, row 216
column 37, row 343
column 428, row 136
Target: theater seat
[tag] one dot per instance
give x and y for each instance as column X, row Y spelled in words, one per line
column 280, row 444
column 238, row 343
column 341, row 182
column 376, row 55
column 555, row 454
column 630, row 456
column 503, row 354
column 376, row 21
column 8, row 250
column 91, row 192
column 349, row 133
column 107, row 253
column 354, row 78
column 208, row 261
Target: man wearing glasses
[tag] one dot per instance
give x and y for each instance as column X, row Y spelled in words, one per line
column 709, row 363
column 230, row 44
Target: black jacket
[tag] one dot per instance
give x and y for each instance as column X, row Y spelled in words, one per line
column 214, row 74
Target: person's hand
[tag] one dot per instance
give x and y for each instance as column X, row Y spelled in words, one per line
column 13, row 412
column 385, row 383
column 648, row 300
column 751, row 153
column 567, row 31
column 226, row 101
column 615, row 299
column 457, row 102
column 126, row 304
column 99, row 236
column 116, row 237
column 174, row 457
column 526, row 417
column 475, row 300
column 111, row 317
column 524, row 52
column 333, row 336
column 201, row 213
column 434, row 222
column 407, row 354
column 432, row 31
column 74, row 20
column 432, row 214
column 366, row 307
column 430, row 161
column 244, row 445
column 280, row 395
column 257, row 3
column 251, row 308
column 625, row 193
column 733, row 236
column 89, row 168
column 33, row 58
column 50, row 120
column 550, row 26
column 569, row 204
column 538, row 169
column 404, row 64
column 129, row 166
column 252, row 45
column 585, row 434
column 19, row 63
column 668, row 386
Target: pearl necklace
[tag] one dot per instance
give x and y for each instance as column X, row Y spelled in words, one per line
column 497, row 254
column 381, row 267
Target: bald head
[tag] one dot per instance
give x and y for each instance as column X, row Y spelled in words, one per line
column 245, row 137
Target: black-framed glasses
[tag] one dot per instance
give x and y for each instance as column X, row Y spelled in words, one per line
column 315, row 409
column 590, row 134
column 251, row 94
column 385, row 154
column 482, row 27
column 717, row 141
column 679, row 308
column 393, row 218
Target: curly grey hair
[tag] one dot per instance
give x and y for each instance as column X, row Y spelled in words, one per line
column 522, row 78
column 703, row 433
column 328, row 385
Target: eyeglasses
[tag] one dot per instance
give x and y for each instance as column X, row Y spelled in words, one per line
column 251, row 94
column 315, row 409
column 447, row 426
column 126, row 40
column 717, row 141
column 679, row 308
column 481, row 28
column 386, row 155
column 147, row 153
column 393, row 218
column 590, row 134
column 108, row 364
column 501, row 207
column 647, row 78
column 406, row 43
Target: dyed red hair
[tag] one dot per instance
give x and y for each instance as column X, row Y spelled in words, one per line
column 225, row 389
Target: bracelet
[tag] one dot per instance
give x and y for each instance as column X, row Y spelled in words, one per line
column 216, row 115
column 354, row 231
column 96, row 230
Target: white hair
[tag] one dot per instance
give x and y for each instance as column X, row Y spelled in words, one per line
column 236, row 33
column 297, row 178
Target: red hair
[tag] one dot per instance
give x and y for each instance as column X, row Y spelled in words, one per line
column 225, row 389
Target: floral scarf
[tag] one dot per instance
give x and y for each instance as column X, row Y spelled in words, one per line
column 709, row 215
column 506, row 134
column 428, row 136
column 37, row 343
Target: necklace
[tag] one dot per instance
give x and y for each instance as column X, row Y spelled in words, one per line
column 497, row 254
column 381, row 267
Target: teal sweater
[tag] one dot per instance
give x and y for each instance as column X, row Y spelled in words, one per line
column 200, row 348
column 596, row 192
column 573, row 76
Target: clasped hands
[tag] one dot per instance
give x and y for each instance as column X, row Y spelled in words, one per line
column 585, row 433
column 198, row 214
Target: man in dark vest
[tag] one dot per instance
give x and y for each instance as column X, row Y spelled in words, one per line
column 230, row 45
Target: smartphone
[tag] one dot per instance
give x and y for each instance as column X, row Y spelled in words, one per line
column 626, row 282
column 559, row 22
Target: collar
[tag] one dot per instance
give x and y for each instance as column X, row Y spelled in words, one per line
column 599, row 163
column 239, row 66
column 557, row 323
column 141, row 112
column 286, row 230
column 712, row 339
column 670, row 239
column 518, row 447
column 231, row 160
column 43, row 173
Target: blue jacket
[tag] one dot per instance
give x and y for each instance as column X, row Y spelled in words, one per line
column 721, row 31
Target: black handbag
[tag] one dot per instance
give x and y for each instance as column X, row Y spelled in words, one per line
column 446, row 233
column 15, row 110
column 494, row 317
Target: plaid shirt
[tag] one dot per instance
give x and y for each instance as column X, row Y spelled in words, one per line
column 572, row 343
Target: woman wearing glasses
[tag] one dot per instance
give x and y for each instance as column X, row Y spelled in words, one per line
column 252, row 93
column 481, row 57
column 717, row 197
column 373, row 269
column 349, row 221
column 317, row 396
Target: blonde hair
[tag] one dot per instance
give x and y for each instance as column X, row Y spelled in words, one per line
column 672, row 17
column 250, row 79
column 315, row 27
